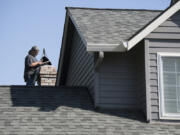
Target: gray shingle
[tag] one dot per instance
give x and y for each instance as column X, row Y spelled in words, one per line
column 56, row 111
column 110, row 26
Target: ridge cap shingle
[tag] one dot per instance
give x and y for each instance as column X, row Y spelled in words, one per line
column 114, row 9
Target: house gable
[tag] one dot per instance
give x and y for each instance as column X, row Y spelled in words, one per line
column 108, row 30
column 160, row 26
column 93, row 26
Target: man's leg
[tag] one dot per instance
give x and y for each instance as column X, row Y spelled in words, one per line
column 29, row 82
column 36, row 75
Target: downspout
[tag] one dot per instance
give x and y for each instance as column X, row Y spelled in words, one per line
column 99, row 59
column 98, row 62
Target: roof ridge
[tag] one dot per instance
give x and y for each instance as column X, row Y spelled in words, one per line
column 120, row 9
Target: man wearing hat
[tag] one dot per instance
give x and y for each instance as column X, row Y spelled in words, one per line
column 32, row 67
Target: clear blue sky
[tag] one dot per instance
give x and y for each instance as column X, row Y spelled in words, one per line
column 24, row 23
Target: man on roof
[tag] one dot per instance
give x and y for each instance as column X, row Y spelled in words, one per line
column 32, row 67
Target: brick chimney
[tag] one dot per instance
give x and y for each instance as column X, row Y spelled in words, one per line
column 47, row 75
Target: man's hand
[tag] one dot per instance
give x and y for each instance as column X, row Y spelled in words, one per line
column 40, row 63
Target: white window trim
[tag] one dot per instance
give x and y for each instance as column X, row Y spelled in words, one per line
column 162, row 114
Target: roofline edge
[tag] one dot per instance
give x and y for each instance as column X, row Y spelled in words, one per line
column 153, row 25
column 102, row 47
column 91, row 8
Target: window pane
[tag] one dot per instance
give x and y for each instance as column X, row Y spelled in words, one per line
column 170, row 106
column 171, row 83
column 168, row 64
column 169, row 79
column 170, row 92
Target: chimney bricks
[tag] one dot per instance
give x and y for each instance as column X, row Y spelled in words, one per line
column 47, row 75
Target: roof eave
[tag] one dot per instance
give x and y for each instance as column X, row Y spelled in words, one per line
column 121, row 47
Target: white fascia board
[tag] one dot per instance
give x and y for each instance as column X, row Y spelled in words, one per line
column 152, row 26
column 98, row 47
column 106, row 47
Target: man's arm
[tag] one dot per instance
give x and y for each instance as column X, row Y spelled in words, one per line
column 29, row 62
column 34, row 64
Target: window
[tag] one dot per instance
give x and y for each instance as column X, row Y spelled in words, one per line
column 169, row 85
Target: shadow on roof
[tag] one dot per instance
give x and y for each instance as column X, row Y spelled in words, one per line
column 49, row 99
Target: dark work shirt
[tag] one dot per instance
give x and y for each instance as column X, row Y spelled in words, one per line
column 28, row 71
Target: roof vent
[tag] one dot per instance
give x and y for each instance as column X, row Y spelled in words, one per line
column 173, row 2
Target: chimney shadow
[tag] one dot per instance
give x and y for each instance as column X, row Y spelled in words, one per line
column 50, row 98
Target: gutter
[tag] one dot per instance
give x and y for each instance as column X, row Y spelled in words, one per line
column 122, row 46
column 100, row 58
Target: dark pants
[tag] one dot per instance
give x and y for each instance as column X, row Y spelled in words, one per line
column 31, row 80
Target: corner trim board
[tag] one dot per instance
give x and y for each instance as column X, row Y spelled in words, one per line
column 148, row 96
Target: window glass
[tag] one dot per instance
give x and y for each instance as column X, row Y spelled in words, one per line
column 171, row 84
column 168, row 64
column 170, row 106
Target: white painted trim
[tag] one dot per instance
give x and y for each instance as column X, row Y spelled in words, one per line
column 94, row 47
column 102, row 44
column 152, row 26
column 162, row 114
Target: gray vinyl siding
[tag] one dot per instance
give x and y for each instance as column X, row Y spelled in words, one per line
column 81, row 65
column 168, row 30
column 117, row 87
column 120, row 86
column 139, row 55
column 166, row 38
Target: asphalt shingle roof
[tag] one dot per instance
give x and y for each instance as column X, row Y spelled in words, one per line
column 110, row 26
column 68, row 111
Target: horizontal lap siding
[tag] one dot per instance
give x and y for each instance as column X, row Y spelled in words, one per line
column 166, row 38
column 168, row 30
column 117, row 81
column 154, row 47
column 81, row 65
column 140, row 73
